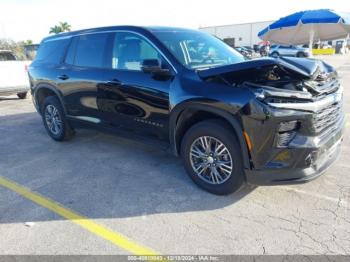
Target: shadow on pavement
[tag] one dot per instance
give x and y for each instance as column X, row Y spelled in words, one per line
column 4, row 98
column 94, row 174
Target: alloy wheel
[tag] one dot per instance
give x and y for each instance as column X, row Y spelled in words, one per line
column 53, row 120
column 211, row 160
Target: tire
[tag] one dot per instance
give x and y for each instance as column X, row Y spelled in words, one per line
column 58, row 129
column 22, row 95
column 300, row 54
column 218, row 132
column 275, row 54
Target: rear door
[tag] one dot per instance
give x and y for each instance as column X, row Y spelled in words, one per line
column 85, row 68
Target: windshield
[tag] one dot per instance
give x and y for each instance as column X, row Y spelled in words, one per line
column 198, row 50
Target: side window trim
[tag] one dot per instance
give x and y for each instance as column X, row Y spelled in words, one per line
column 141, row 35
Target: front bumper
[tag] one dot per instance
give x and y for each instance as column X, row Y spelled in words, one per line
column 312, row 158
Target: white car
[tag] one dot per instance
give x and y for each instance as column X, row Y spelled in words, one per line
column 288, row 50
column 13, row 75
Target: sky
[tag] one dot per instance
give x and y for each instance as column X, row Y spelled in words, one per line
column 32, row 19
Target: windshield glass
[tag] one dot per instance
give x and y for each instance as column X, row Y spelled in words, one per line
column 198, row 50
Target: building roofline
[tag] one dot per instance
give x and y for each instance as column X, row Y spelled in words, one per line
column 256, row 22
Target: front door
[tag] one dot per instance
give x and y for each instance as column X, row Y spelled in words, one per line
column 130, row 97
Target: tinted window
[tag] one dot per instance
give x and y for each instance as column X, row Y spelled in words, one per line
column 129, row 50
column 71, row 51
column 52, row 51
column 91, row 51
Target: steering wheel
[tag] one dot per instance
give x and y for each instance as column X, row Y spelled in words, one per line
column 207, row 59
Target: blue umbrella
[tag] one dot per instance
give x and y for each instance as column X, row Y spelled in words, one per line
column 303, row 27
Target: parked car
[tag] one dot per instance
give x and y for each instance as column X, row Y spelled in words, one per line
column 249, row 48
column 245, row 52
column 290, row 50
column 232, row 120
column 13, row 75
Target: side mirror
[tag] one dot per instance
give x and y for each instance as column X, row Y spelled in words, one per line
column 153, row 66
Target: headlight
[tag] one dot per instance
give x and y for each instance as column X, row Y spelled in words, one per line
column 288, row 126
column 286, row 132
column 283, row 139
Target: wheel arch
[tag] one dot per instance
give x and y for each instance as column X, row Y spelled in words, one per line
column 44, row 90
column 185, row 116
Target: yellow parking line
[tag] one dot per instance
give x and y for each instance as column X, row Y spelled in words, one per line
column 99, row 230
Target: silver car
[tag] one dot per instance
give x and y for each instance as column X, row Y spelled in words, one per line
column 288, row 50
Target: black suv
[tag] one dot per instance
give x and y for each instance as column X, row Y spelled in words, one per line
column 232, row 120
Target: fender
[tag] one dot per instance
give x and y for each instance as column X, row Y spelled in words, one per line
column 51, row 88
column 176, row 116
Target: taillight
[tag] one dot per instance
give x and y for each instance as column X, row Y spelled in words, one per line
column 26, row 68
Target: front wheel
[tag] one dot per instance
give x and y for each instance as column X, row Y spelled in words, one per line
column 212, row 157
column 275, row 54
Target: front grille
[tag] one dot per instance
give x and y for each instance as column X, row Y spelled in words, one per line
column 327, row 117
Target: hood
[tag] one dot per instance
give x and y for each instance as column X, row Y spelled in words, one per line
column 308, row 77
column 305, row 67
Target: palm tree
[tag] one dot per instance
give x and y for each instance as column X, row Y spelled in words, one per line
column 61, row 27
column 55, row 30
column 65, row 26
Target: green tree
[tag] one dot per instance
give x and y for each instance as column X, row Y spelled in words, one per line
column 65, row 26
column 16, row 47
column 28, row 42
column 60, row 28
column 55, row 30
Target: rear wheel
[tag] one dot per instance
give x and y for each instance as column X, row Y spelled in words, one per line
column 22, row 95
column 54, row 119
column 275, row 54
column 212, row 157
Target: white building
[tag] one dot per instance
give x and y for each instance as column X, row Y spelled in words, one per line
column 238, row 34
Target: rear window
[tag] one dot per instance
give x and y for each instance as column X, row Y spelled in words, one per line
column 52, row 51
column 90, row 51
column 70, row 57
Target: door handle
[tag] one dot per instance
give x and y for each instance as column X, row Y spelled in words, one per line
column 115, row 82
column 63, row 77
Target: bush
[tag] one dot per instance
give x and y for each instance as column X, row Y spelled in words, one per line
column 16, row 47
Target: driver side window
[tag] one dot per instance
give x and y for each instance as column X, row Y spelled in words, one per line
column 130, row 50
